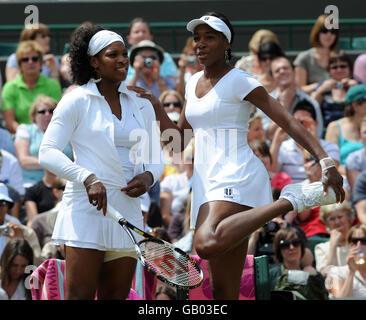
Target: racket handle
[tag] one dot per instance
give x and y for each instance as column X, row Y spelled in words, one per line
column 113, row 213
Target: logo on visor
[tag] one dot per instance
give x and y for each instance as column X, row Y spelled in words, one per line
column 206, row 18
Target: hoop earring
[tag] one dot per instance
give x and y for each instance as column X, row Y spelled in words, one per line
column 95, row 80
column 227, row 55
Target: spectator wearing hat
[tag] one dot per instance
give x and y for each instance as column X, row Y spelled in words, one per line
column 345, row 132
column 15, row 228
column 140, row 30
column 146, row 58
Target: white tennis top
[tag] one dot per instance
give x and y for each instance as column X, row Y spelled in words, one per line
column 225, row 168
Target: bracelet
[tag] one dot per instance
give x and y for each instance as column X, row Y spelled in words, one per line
column 90, row 184
column 326, row 163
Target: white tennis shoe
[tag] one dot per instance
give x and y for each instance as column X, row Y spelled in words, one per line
column 305, row 196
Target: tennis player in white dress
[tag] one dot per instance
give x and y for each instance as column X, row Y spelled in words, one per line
column 231, row 189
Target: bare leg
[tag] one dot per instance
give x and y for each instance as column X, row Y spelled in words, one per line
column 82, row 272
column 221, row 225
column 116, row 278
column 226, row 271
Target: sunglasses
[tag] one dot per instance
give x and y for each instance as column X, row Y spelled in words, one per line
column 3, row 203
column 356, row 240
column 285, row 244
column 325, row 30
column 340, row 66
column 50, row 111
column 27, row 59
column 61, row 188
column 265, row 58
column 175, row 104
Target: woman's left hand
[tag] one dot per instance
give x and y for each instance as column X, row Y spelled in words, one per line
column 332, row 178
column 138, row 185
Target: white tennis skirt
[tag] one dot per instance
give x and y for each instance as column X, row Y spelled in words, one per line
column 80, row 224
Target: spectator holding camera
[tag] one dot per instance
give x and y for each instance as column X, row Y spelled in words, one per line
column 188, row 65
column 146, row 58
column 331, row 93
column 338, row 218
column 139, row 30
column 10, row 227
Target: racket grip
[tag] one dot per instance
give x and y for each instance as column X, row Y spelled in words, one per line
column 113, row 213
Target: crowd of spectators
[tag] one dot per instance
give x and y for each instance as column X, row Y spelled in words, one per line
column 323, row 89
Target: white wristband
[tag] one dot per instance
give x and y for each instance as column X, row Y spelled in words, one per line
column 326, row 163
column 94, row 182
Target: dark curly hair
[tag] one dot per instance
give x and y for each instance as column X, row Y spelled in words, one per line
column 222, row 17
column 81, row 68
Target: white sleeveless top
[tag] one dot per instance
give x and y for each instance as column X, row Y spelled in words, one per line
column 225, row 168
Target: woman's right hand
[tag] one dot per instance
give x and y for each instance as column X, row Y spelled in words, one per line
column 352, row 254
column 143, row 93
column 328, row 85
column 97, row 193
column 335, row 237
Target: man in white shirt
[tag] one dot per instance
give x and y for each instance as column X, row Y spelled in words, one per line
column 287, row 156
column 288, row 94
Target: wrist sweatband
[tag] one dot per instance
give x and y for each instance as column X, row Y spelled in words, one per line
column 94, row 182
column 326, row 163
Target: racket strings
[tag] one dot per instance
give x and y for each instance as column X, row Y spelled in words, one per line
column 167, row 262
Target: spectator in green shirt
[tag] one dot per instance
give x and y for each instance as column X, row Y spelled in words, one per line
column 19, row 94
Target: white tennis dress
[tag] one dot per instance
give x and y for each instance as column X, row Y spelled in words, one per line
column 225, row 168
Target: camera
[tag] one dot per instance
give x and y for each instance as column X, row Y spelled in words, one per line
column 339, row 85
column 271, row 226
column 191, row 60
column 4, row 231
column 148, row 62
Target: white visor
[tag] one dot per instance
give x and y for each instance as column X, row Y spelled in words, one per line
column 101, row 40
column 215, row 23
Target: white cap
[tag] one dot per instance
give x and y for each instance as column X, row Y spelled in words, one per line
column 214, row 22
column 101, row 40
column 4, row 194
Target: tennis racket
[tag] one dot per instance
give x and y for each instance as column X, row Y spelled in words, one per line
column 168, row 263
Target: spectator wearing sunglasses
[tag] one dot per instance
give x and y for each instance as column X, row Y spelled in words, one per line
column 172, row 102
column 50, row 64
column 267, row 52
column 19, row 94
column 331, row 93
column 345, row 132
column 29, row 136
column 350, row 280
column 290, row 274
column 311, row 65
column 146, row 58
column 338, row 219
